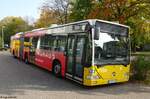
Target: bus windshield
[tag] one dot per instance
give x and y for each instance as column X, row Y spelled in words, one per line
column 112, row 46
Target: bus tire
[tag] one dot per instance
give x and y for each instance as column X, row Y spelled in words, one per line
column 57, row 69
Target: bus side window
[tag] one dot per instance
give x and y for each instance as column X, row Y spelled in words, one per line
column 53, row 43
column 44, row 43
column 46, row 46
column 34, row 41
column 61, row 43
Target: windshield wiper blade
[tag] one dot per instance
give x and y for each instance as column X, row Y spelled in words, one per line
column 113, row 63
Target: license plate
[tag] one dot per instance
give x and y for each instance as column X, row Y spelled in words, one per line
column 111, row 81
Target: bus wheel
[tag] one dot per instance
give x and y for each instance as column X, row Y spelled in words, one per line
column 57, row 69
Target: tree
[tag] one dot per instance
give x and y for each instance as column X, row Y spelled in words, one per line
column 80, row 9
column 140, row 32
column 118, row 10
column 13, row 25
column 62, row 8
column 134, row 13
column 47, row 17
column 57, row 9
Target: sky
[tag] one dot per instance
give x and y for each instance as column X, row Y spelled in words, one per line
column 23, row 8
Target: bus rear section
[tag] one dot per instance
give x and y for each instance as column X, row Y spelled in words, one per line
column 15, row 45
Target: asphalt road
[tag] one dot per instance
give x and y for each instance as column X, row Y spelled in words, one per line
column 21, row 81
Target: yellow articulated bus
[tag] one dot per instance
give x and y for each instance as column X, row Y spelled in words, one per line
column 90, row 52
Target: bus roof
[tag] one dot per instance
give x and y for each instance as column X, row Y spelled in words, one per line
column 35, row 32
column 78, row 26
column 74, row 27
column 17, row 35
column 90, row 21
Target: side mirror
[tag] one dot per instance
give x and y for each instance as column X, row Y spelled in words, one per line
column 96, row 33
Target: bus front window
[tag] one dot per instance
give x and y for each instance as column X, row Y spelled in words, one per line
column 111, row 48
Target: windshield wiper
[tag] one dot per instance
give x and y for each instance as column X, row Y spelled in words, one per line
column 113, row 63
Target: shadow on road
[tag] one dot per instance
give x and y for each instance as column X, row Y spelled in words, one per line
column 16, row 77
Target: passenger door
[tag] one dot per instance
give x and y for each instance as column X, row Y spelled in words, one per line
column 70, row 55
column 33, row 48
column 75, row 49
column 79, row 49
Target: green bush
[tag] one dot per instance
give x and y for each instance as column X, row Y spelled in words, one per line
column 140, row 68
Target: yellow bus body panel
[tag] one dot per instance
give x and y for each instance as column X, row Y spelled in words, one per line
column 15, row 46
column 105, row 74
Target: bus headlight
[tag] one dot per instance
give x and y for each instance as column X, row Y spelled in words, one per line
column 92, row 77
